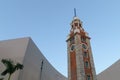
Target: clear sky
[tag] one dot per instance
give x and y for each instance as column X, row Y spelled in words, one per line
column 47, row 22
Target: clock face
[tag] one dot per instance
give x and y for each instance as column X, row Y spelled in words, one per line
column 72, row 47
column 84, row 46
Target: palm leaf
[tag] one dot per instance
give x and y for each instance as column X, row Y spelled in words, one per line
column 4, row 72
column 18, row 66
column 8, row 63
column 10, row 67
column 1, row 78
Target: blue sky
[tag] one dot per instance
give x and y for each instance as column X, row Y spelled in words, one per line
column 47, row 22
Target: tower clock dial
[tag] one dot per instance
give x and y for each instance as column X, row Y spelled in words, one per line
column 72, row 47
column 84, row 46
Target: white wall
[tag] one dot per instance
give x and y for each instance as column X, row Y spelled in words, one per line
column 13, row 49
column 111, row 73
column 24, row 50
column 32, row 66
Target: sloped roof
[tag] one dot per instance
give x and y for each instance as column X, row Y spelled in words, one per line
column 111, row 73
column 13, row 48
column 25, row 51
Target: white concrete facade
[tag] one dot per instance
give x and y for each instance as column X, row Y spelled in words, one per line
column 111, row 73
column 36, row 66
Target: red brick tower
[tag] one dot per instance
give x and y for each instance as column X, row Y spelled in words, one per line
column 80, row 59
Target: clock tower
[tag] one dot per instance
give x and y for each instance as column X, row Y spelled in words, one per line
column 80, row 59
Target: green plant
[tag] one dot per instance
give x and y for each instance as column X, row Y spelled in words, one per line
column 10, row 67
column 1, row 78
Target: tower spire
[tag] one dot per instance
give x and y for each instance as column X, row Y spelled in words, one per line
column 75, row 12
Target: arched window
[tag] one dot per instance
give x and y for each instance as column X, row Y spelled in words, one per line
column 83, row 39
column 88, row 77
column 86, row 64
column 85, row 54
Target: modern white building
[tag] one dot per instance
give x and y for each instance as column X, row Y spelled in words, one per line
column 111, row 73
column 24, row 51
